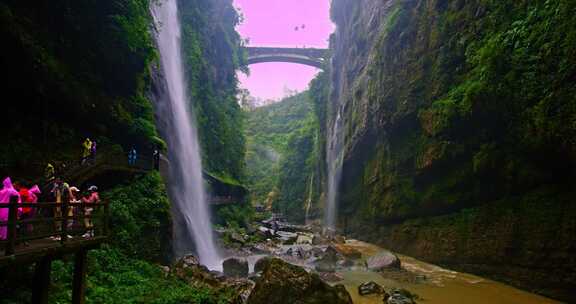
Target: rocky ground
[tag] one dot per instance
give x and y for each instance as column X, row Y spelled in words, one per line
column 278, row 262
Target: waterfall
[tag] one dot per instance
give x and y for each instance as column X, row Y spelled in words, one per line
column 308, row 203
column 192, row 227
column 334, row 163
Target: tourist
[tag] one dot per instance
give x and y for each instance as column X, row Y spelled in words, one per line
column 86, row 146
column 24, row 193
column 74, row 201
column 49, row 172
column 93, row 153
column 29, row 196
column 91, row 198
column 60, row 192
column 5, row 194
column 33, row 198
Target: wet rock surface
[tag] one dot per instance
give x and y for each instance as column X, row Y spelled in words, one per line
column 370, row 288
column 259, row 266
column 235, row 267
column 189, row 269
column 284, row 283
column 383, row 260
column 400, row 296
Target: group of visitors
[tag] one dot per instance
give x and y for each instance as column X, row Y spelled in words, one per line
column 62, row 192
column 132, row 157
column 59, row 193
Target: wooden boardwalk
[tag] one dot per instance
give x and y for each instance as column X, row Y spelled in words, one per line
column 54, row 231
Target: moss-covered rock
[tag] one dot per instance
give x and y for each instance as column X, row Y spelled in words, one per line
column 283, row 283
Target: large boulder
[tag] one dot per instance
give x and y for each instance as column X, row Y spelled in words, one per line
column 188, row 268
column 348, row 251
column 259, row 266
column 265, row 232
column 287, row 238
column 235, row 267
column 329, row 260
column 383, row 260
column 400, row 296
column 283, row 283
column 304, row 238
column 320, row 240
column 368, row 288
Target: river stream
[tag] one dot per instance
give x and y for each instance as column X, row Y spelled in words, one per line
column 432, row 284
column 441, row 286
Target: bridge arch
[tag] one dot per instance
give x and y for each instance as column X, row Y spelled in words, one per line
column 306, row 56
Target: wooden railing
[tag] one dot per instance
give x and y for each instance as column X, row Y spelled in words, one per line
column 49, row 224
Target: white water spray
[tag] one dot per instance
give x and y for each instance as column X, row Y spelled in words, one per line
column 192, row 221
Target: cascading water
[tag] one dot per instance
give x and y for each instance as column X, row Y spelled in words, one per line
column 334, row 163
column 192, row 218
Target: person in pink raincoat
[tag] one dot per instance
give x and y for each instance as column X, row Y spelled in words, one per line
column 5, row 194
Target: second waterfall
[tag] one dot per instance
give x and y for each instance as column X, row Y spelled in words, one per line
column 193, row 230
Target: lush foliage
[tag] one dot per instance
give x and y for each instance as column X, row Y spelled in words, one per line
column 212, row 56
column 140, row 220
column 74, row 69
column 236, row 216
column 459, row 105
column 475, row 106
column 268, row 131
column 116, row 278
column 282, row 153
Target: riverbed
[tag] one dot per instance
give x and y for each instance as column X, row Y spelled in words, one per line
column 432, row 284
column 441, row 286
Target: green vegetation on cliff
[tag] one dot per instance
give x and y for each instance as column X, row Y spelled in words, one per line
column 76, row 69
column 451, row 106
column 212, row 55
column 71, row 70
column 282, row 153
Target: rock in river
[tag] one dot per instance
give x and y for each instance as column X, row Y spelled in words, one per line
column 370, row 288
column 283, row 283
column 329, row 260
column 235, row 267
column 383, row 260
column 304, row 238
column 286, row 237
column 400, row 296
column 348, row 252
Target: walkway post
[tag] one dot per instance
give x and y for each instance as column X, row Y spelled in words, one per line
column 12, row 218
column 41, row 281
column 79, row 283
column 64, row 223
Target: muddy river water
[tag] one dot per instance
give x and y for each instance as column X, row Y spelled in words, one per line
column 432, row 284
column 441, row 286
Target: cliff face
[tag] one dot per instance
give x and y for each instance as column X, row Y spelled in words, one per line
column 459, row 133
column 212, row 55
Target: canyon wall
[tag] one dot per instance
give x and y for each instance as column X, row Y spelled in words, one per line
column 459, row 131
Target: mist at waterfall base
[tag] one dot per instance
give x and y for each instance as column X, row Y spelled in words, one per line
column 334, row 163
column 192, row 226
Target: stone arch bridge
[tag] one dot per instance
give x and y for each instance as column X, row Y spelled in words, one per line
column 308, row 56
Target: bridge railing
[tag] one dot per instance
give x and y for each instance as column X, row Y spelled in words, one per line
column 50, row 224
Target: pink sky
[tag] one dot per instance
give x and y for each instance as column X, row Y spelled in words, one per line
column 273, row 23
